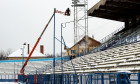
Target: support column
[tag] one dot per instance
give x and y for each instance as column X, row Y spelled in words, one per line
column 35, row 79
column 54, row 51
column 80, row 78
column 138, row 78
column 61, row 55
column 91, row 78
column 102, row 78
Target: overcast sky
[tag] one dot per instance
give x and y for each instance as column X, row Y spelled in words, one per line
column 23, row 20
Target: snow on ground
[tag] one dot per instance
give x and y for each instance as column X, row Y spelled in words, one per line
column 8, row 83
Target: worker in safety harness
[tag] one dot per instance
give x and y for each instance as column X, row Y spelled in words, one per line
column 67, row 12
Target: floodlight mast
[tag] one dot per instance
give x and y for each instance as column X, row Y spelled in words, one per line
column 67, row 13
column 80, row 27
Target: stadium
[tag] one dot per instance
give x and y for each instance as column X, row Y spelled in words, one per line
column 113, row 60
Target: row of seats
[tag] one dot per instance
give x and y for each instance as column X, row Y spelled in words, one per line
column 121, row 58
column 104, row 57
column 46, row 67
column 14, row 67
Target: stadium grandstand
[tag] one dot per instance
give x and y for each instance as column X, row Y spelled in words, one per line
column 115, row 61
column 10, row 69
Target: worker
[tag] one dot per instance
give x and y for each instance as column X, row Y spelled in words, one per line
column 67, row 12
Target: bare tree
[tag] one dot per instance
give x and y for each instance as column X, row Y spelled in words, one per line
column 58, row 55
column 49, row 56
column 63, row 53
column 8, row 52
column 4, row 55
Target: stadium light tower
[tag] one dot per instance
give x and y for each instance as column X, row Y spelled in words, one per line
column 80, row 21
column 80, row 12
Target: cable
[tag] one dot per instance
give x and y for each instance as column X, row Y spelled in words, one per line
column 77, row 20
column 69, row 56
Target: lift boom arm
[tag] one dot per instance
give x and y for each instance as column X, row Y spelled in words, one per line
column 21, row 71
column 67, row 13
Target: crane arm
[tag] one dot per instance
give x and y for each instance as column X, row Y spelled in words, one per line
column 21, row 71
column 67, row 13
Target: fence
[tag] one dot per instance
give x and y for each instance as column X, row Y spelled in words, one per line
column 8, row 78
column 89, row 78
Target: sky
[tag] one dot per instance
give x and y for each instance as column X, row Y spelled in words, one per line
column 23, row 21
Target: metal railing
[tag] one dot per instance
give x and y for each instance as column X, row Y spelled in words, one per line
column 87, row 78
column 7, row 78
column 120, row 40
column 110, row 35
column 48, row 66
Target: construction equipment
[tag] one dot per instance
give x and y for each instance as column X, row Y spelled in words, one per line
column 67, row 13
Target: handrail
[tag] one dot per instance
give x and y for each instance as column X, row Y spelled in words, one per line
column 110, row 35
column 132, row 34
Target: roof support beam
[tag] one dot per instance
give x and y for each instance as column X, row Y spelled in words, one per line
column 111, row 17
column 114, row 13
column 126, row 5
column 127, row 11
column 120, row 10
column 130, row 1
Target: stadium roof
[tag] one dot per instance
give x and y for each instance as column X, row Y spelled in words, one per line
column 119, row 10
column 18, row 53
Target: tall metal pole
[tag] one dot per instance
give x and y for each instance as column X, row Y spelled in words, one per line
column 23, row 56
column 87, row 17
column 14, row 71
column 85, row 27
column 23, row 60
column 61, row 55
column 54, row 50
column 74, row 25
